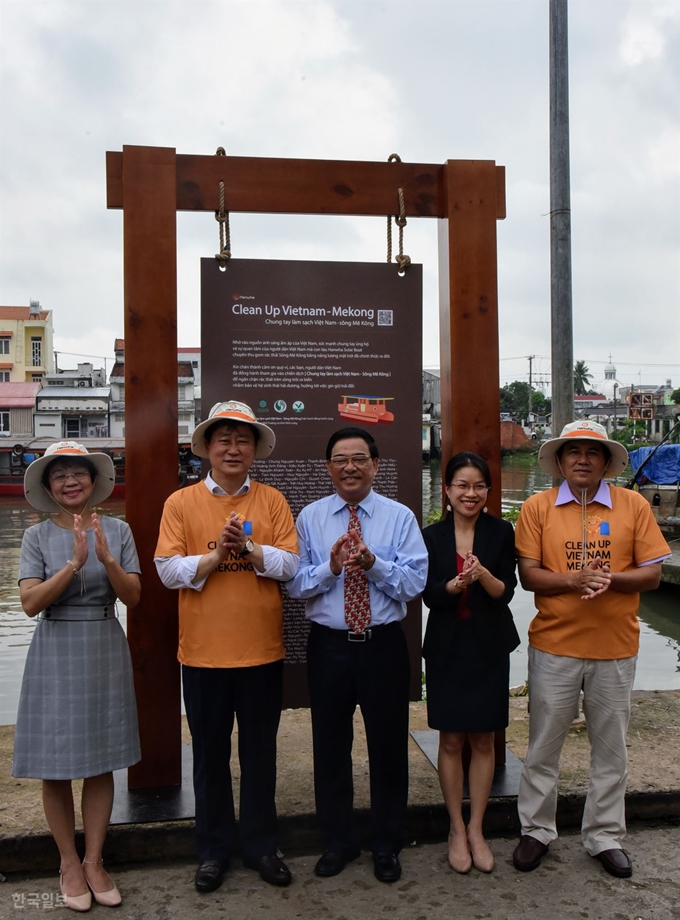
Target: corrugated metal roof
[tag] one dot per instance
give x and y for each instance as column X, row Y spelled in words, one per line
column 17, row 402
column 70, row 392
column 184, row 369
column 20, row 388
column 18, row 395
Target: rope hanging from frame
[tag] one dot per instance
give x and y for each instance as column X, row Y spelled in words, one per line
column 222, row 217
column 402, row 260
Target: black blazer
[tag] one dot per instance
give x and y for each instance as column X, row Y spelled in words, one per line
column 492, row 622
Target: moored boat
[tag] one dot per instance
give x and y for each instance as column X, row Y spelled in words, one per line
column 657, row 478
column 15, row 457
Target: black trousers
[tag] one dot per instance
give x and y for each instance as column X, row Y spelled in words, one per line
column 375, row 675
column 212, row 697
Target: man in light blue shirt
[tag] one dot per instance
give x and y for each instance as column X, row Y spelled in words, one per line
column 352, row 662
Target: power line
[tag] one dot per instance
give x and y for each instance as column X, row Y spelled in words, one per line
column 74, row 354
column 639, row 364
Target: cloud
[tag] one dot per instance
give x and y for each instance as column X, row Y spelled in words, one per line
column 340, row 79
column 644, row 31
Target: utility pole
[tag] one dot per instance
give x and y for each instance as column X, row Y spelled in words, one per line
column 531, row 358
column 561, row 326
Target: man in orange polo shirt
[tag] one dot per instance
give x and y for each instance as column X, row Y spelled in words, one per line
column 226, row 544
column 586, row 549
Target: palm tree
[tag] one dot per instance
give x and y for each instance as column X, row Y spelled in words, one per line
column 582, row 378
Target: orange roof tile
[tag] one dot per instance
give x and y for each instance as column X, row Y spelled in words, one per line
column 21, row 313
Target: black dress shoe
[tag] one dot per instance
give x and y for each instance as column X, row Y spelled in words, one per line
column 332, row 862
column 209, row 875
column 528, row 853
column 387, row 867
column 272, row 869
column 616, row 862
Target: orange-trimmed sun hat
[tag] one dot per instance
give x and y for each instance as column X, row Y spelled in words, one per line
column 583, row 430
column 41, row 498
column 233, row 411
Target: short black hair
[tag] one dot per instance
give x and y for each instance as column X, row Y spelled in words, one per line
column 458, row 462
column 231, row 424
column 345, row 433
column 68, row 461
column 463, row 459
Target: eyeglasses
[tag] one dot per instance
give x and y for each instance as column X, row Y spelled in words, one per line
column 357, row 459
column 466, row 486
column 80, row 475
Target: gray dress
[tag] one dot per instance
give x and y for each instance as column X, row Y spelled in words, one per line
column 77, row 712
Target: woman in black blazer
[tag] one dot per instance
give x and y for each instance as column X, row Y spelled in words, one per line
column 470, row 634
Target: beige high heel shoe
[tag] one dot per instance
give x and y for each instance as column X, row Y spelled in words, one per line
column 460, row 863
column 79, row 902
column 482, row 857
column 109, row 898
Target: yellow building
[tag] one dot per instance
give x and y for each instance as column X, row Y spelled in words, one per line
column 26, row 344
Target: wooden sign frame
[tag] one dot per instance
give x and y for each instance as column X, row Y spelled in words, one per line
column 151, row 184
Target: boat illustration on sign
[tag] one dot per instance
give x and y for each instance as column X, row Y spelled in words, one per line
column 368, row 409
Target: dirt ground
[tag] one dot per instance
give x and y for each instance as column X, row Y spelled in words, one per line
column 654, row 750
column 568, row 885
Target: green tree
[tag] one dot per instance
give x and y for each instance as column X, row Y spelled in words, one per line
column 675, row 396
column 541, row 405
column 629, row 433
column 515, row 400
column 582, row 378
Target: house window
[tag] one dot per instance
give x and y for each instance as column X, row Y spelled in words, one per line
column 4, row 422
column 4, row 344
column 36, row 351
column 4, row 376
column 72, row 428
column 37, row 378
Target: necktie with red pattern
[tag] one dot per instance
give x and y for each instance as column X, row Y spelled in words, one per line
column 357, row 603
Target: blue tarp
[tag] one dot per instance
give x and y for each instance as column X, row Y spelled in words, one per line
column 663, row 468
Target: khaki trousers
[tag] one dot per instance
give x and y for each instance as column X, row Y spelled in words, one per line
column 555, row 682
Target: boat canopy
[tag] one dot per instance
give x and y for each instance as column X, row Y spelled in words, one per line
column 662, row 469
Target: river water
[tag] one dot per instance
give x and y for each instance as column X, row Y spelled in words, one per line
column 658, row 666
column 658, row 662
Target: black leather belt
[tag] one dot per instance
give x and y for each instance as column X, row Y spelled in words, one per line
column 348, row 635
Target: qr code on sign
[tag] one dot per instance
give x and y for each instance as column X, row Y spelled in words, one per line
column 385, row 317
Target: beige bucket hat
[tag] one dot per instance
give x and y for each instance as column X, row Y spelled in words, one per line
column 583, row 430
column 236, row 412
column 41, row 498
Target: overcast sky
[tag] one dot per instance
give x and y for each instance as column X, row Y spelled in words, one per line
column 334, row 79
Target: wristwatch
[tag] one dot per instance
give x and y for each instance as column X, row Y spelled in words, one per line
column 250, row 546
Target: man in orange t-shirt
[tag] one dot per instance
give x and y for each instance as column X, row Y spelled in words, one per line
column 226, row 544
column 586, row 550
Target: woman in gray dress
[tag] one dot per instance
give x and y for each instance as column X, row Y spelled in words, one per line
column 77, row 715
